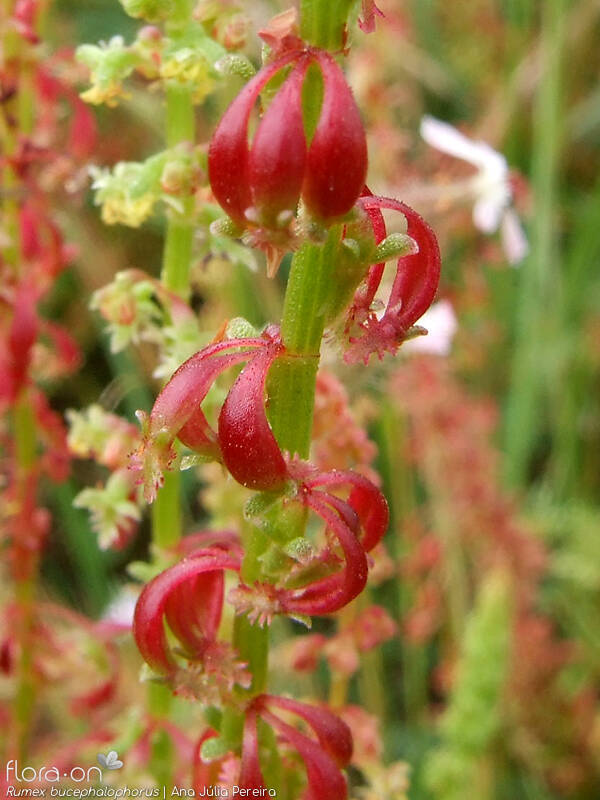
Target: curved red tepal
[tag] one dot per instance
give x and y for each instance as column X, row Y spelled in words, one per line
column 190, row 596
column 413, row 290
column 336, row 166
column 248, row 447
column 323, row 757
column 177, row 411
column 228, row 152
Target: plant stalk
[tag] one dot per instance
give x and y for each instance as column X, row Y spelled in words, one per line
column 292, row 379
column 166, row 511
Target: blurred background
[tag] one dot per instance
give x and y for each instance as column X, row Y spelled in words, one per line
column 487, row 438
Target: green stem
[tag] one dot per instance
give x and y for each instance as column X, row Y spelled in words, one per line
column 292, row 380
column 161, row 749
column 323, row 22
column 177, row 256
column 25, row 457
column 539, row 293
column 166, row 511
column 291, row 402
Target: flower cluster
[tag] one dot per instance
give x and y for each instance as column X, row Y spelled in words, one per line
column 261, row 185
column 295, row 181
column 245, row 444
column 292, row 180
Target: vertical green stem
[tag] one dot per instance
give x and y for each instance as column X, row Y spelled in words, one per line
column 292, row 379
column 177, row 256
column 25, row 457
column 323, row 23
column 166, row 512
column 291, row 402
column 539, row 290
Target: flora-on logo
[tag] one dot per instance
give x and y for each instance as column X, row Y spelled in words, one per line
column 14, row 772
column 109, row 761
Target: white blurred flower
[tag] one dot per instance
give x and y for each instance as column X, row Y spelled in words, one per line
column 441, row 323
column 489, row 187
column 121, row 609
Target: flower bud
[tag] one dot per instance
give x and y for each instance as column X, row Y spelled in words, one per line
column 278, row 155
column 336, row 167
column 228, row 152
column 261, row 186
column 323, row 757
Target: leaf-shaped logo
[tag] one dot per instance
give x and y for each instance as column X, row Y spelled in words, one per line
column 109, row 761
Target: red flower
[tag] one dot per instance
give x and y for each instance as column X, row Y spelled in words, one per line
column 261, row 185
column 189, row 596
column 248, row 446
column 413, row 289
column 356, row 525
column 323, row 756
column 336, row 168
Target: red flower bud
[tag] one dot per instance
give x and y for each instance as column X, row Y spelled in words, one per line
column 364, row 512
column 255, row 186
column 336, row 167
column 278, row 155
column 365, row 499
column 333, row 734
column 228, row 151
column 177, row 410
column 323, row 757
column 329, row 594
